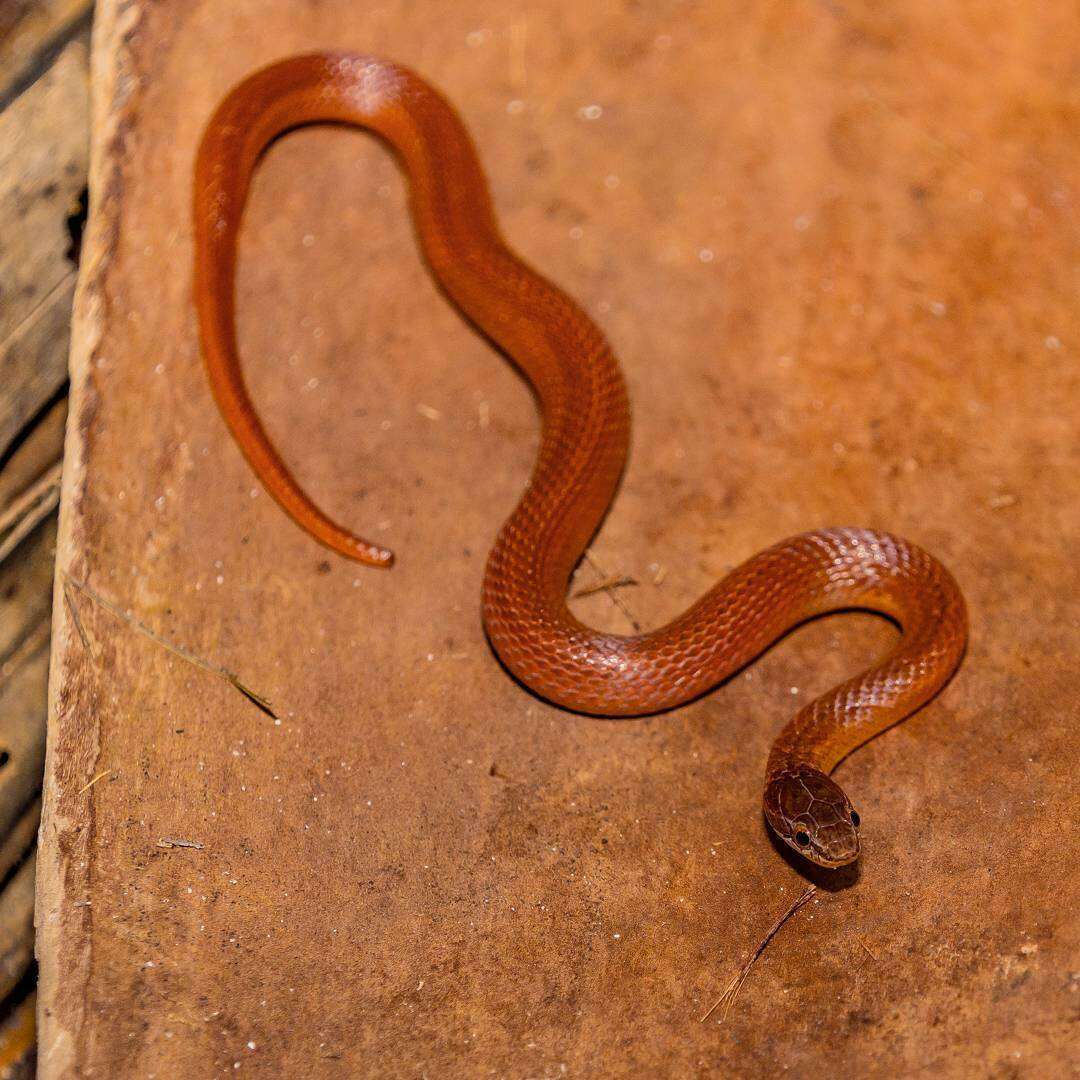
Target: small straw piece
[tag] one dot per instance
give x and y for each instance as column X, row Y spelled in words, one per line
column 727, row 998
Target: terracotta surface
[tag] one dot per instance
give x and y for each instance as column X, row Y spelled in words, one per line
column 835, row 248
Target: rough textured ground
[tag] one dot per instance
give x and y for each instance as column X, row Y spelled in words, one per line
column 835, row 246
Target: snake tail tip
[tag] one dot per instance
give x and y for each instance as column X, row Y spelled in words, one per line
column 382, row 558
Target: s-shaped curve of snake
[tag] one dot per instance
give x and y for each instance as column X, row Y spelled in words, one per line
column 585, row 434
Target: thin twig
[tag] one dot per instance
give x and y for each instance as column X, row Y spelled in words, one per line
column 867, row 948
column 727, row 998
column 615, row 598
column 90, row 783
column 606, row 585
column 178, row 650
column 69, row 599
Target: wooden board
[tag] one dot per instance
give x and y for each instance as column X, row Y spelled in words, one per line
column 44, row 143
column 835, row 247
column 43, row 160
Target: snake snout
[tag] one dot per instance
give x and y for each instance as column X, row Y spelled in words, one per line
column 811, row 814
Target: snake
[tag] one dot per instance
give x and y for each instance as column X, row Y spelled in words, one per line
column 585, row 428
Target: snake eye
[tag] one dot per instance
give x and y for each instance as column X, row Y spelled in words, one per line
column 855, row 819
column 802, row 838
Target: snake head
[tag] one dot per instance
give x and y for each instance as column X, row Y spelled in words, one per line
column 811, row 813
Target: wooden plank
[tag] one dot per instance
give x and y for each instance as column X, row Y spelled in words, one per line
column 43, row 161
column 17, row 1033
column 20, row 840
column 41, row 447
column 22, row 733
column 835, row 247
column 30, row 33
column 17, row 926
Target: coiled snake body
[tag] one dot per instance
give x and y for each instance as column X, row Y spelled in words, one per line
column 585, row 416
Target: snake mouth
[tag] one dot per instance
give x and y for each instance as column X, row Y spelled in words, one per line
column 831, row 859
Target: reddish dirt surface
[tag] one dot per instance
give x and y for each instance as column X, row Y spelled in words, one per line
column 835, row 247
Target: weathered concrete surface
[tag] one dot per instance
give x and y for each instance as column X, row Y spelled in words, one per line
column 836, row 249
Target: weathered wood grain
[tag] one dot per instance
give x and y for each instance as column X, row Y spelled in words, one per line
column 22, row 733
column 20, row 840
column 17, row 1032
column 44, row 127
column 30, row 33
column 17, row 926
column 40, row 448
column 43, row 162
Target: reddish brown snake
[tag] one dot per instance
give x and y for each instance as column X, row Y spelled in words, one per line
column 585, row 418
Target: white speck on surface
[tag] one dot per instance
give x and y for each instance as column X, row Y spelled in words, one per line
column 590, row 112
column 706, row 255
column 794, row 690
column 159, row 502
column 611, row 181
column 938, row 308
column 308, row 240
column 1052, row 342
column 802, row 222
column 515, row 106
column 576, row 232
column 311, row 384
column 475, row 38
column 159, row 369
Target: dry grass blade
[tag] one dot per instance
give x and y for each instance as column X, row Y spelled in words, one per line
column 606, row 586
column 727, row 998
column 232, row 679
column 90, row 783
column 69, row 599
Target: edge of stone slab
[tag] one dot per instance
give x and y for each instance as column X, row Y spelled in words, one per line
column 63, row 942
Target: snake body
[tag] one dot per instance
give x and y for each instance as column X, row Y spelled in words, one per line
column 585, row 432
